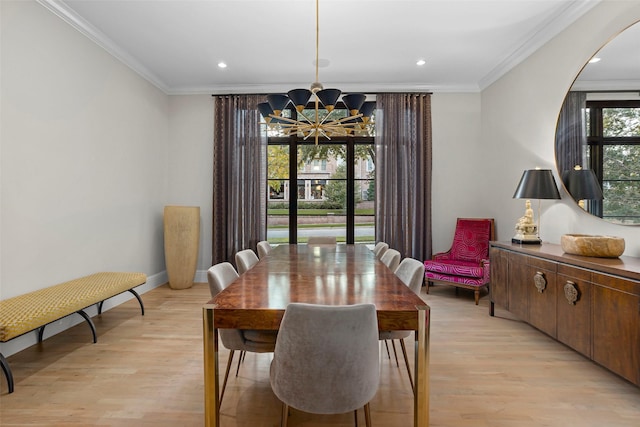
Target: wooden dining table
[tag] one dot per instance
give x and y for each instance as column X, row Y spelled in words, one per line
column 331, row 275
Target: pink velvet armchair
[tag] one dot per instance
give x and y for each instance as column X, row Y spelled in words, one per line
column 466, row 264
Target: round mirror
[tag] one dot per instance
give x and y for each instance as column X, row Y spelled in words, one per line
column 598, row 132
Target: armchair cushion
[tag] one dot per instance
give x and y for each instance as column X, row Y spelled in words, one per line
column 454, row 267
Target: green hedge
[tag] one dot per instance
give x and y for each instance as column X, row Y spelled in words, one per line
column 306, row 205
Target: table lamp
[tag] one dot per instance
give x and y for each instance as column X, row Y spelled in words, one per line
column 534, row 184
column 582, row 184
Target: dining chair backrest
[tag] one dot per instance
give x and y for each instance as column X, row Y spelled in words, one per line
column 322, row 240
column 326, row 359
column 391, row 258
column 246, row 259
column 220, row 276
column 380, row 249
column 264, row 248
column 411, row 272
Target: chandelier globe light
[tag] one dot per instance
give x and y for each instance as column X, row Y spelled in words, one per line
column 359, row 109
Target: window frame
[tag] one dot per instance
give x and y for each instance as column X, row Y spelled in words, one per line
column 596, row 142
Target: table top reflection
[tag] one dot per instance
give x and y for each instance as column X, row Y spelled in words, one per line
column 331, row 275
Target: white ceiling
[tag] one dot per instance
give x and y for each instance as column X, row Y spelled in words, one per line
column 269, row 45
column 619, row 65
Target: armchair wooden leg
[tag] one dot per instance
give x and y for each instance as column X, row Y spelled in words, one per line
column 476, row 294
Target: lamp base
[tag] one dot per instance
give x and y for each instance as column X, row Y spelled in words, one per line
column 536, row 241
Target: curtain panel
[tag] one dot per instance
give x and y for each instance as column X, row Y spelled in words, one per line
column 403, row 173
column 239, row 176
column 571, row 133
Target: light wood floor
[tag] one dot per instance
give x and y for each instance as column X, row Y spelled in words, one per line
column 147, row 371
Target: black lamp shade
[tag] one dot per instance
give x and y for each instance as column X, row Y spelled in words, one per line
column 354, row 102
column 367, row 108
column 277, row 102
column 329, row 97
column 266, row 110
column 299, row 97
column 582, row 184
column 537, row 184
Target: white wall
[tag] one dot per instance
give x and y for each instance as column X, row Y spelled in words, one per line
column 191, row 165
column 459, row 174
column 84, row 159
column 519, row 114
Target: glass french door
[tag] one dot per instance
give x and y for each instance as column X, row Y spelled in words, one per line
column 328, row 189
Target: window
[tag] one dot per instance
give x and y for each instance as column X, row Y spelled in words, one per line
column 613, row 140
column 333, row 184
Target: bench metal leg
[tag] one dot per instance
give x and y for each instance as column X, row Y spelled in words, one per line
column 91, row 325
column 7, row 372
column 135, row 294
column 85, row 316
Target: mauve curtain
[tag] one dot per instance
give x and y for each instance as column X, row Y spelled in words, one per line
column 571, row 132
column 239, row 176
column 403, row 173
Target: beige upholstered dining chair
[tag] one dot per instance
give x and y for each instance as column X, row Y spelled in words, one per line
column 326, row 359
column 380, row 248
column 219, row 277
column 264, row 248
column 391, row 258
column 322, row 240
column 246, row 259
column 411, row 273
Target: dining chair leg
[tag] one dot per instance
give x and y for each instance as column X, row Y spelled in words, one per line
column 240, row 359
column 284, row 420
column 395, row 353
column 386, row 345
column 406, row 362
column 367, row 415
column 355, row 416
column 226, row 374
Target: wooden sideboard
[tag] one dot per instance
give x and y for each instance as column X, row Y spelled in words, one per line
column 590, row 304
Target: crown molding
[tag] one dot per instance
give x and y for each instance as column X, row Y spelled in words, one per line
column 538, row 37
column 64, row 12
column 345, row 87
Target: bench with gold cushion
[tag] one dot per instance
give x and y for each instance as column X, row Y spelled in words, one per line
column 35, row 310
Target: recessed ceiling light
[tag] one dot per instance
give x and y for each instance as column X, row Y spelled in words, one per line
column 222, row 65
column 421, row 62
column 594, row 60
